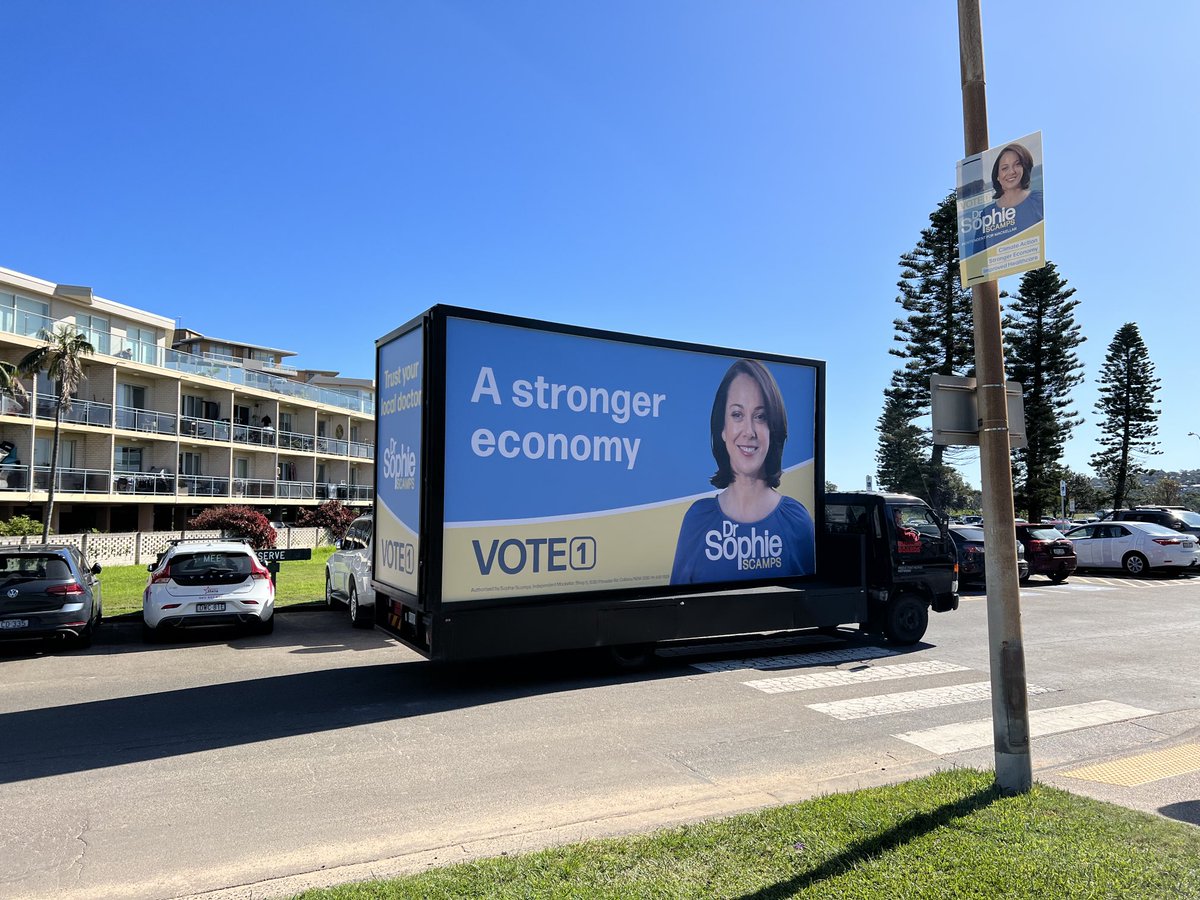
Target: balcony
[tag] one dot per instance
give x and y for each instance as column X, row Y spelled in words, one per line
column 146, row 420
column 28, row 324
column 82, row 412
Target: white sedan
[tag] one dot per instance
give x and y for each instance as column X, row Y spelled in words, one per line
column 1136, row 547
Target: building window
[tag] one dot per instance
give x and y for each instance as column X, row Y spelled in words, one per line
column 285, row 421
column 241, row 467
column 95, row 329
column 42, row 449
column 23, row 315
column 192, row 406
column 189, row 463
column 128, row 459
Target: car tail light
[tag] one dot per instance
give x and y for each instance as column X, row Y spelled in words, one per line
column 160, row 577
column 972, row 550
column 1165, row 541
column 76, row 588
column 1035, row 546
column 258, row 570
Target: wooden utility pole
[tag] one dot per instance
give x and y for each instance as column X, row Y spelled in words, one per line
column 1010, row 701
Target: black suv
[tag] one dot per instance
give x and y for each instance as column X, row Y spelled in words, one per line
column 1177, row 518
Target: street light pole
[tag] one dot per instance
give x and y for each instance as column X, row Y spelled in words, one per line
column 1010, row 700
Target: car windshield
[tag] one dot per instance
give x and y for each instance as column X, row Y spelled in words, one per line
column 1045, row 534
column 210, row 567
column 1155, row 528
column 27, row 566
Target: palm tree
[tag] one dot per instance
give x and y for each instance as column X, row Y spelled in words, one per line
column 62, row 359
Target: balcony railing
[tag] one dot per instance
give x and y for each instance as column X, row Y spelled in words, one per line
column 143, row 483
column 294, row 440
column 81, row 412
column 209, row 429
column 252, row 434
column 118, row 346
column 361, row 450
column 133, row 419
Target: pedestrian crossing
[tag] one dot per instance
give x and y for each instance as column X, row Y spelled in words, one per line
column 871, row 668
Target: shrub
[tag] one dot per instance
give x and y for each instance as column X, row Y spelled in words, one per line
column 331, row 515
column 18, row 525
column 238, row 522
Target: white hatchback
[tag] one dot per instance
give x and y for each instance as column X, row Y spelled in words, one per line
column 208, row 582
column 1136, row 547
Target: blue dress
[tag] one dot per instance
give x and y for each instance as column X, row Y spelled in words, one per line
column 713, row 547
column 1027, row 214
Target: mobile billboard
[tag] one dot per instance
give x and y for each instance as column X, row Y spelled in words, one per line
column 577, row 463
column 399, row 469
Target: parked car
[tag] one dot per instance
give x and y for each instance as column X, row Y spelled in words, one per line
column 348, row 573
column 968, row 545
column 49, row 591
column 1177, row 518
column 1136, row 547
column 1047, row 550
column 204, row 582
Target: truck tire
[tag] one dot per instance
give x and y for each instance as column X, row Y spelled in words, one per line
column 906, row 619
column 628, row 657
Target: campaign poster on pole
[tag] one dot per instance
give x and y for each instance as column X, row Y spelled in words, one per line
column 578, row 464
column 1001, row 215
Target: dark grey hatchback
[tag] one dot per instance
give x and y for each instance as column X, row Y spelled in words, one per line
column 48, row 591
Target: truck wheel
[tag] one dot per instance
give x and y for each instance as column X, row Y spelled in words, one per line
column 906, row 620
column 1135, row 564
column 629, row 657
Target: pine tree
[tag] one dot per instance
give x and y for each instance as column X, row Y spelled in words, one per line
column 1042, row 334
column 1128, row 393
column 937, row 335
column 901, row 452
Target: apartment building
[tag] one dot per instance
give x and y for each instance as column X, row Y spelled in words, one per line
column 169, row 421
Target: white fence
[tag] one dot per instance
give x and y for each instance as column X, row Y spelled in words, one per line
column 142, row 547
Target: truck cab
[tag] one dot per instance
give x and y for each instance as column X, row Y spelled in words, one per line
column 907, row 559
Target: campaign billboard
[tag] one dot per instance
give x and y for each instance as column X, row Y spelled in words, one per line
column 399, row 468
column 1001, row 215
column 577, row 463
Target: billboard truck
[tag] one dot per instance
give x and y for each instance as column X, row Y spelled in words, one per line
column 547, row 487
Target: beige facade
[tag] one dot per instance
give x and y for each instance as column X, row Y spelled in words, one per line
column 155, row 433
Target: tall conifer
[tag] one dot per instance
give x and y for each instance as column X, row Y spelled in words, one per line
column 1128, row 394
column 1042, row 334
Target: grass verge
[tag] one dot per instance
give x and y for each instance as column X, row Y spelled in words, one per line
column 950, row 835
column 299, row 581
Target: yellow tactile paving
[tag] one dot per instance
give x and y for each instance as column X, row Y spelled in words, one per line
column 1143, row 768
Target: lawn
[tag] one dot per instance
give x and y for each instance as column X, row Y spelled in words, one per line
column 950, row 835
column 299, row 581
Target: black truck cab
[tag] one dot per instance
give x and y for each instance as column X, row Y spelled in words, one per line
column 907, row 558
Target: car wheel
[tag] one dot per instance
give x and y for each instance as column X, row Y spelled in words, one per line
column 358, row 613
column 149, row 634
column 906, row 620
column 266, row 626
column 1135, row 564
column 329, row 600
column 1059, row 577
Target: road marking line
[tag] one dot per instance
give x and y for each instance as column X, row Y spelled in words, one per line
column 795, row 660
column 1143, row 768
column 907, row 701
column 839, row 677
column 978, row 733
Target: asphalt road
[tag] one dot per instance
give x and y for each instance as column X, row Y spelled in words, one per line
column 229, row 766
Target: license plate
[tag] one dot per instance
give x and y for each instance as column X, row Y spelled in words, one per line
column 1060, row 551
column 210, row 607
column 14, row 623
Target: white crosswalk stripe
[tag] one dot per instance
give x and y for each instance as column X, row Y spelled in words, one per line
column 907, row 701
column 1056, row 720
column 841, row 677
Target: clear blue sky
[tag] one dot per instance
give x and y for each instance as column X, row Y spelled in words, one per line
column 308, row 175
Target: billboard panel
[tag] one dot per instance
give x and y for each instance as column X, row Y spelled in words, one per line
column 399, row 467
column 576, row 463
column 1001, row 228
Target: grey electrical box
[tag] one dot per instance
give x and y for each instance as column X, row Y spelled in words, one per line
column 955, row 411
